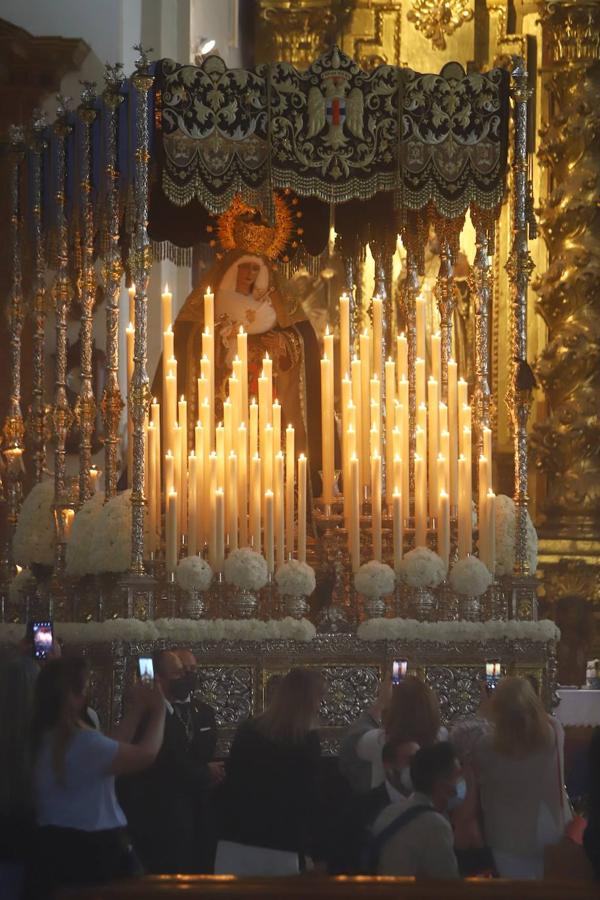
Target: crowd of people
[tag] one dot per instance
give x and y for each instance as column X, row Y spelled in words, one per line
column 404, row 797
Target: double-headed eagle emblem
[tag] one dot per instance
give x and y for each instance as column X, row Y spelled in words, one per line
column 339, row 106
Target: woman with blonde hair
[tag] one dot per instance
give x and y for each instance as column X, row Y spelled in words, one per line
column 269, row 799
column 519, row 763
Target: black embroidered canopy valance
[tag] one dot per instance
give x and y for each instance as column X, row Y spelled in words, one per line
column 334, row 132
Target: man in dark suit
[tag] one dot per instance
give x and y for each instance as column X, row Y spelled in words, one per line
column 161, row 803
column 198, row 716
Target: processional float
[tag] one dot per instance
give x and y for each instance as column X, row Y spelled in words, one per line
column 403, row 458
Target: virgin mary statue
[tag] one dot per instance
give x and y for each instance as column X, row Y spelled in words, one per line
column 249, row 292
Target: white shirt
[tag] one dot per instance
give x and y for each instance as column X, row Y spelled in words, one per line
column 86, row 800
column 424, row 848
column 370, row 748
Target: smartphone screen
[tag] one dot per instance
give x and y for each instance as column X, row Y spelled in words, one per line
column 146, row 668
column 492, row 674
column 43, row 638
column 399, row 667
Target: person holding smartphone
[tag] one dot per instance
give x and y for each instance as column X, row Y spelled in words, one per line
column 81, row 835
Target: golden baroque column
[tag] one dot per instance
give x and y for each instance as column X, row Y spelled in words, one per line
column 567, row 443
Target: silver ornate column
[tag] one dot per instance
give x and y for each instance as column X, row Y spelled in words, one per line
column 62, row 415
column 519, row 267
column 36, row 425
column 85, row 408
column 446, row 301
column 411, row 289
column 112, row 402
column 482, row 290
column 139, row 388
column 13, row 430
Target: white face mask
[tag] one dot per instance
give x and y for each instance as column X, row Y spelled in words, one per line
column 461, row 793
column 405, row 779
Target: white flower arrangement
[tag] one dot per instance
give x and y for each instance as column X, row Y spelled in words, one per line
column 194, row 574
column 451, row 632
column 375, row 579
column 295, row 579
column 246, row 569
column 188, row 630
column 111, row 547
column 22, row 582
column 422, row 568
column 34, row 541
column 470, row 577
column 84, row 533
column 505, row 537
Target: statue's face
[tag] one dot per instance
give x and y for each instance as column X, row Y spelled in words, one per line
column 247, row 273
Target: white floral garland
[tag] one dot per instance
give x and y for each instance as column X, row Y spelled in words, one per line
column 34, row 540
column 188, row 630
column 506, row 516
column 470, row 577
column 194, row 574
column 295, row 579
column 445, row 632
column 375, row 579
column 110, row 550
column 85, row 532
column 246, row 569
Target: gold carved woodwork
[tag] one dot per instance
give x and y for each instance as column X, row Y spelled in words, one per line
column 367, row 30
column 568, row 369
column 438, row 19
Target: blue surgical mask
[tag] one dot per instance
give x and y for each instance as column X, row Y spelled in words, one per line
column 459, row 796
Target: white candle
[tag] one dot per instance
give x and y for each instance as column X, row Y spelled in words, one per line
column 376, row 504
column 453, row 431
column 365, row 360
column 232, row 503
column 327, row 424
column 168, row 344
column 420, row 501
column 192, row 527
column 167, row 308
column 289, row 487
column 268, row 459
column 94, row 474
column 172, row 535
column 177, row 443
column 491, row 524
column 182, row 490
column 436, row 356
column 487, row 445
column 344, row 333
column 354, row 531
column 403, row 422
column 397, row 528
column 269, row 532
column 420, row 384
column 302, row 508
column 130, row 333
column 390, row 400
column 220, row 451
column 209, row 311
column 276, row 419
column 253, row 448
column 169, row 472
column 402, row 354
column 463, row 393
column 465, row 525
column 242, row 352
column 242, row 453
column 359, row 426
column 433, row 443
column 279, row 514
column 255, row 466
column 220, row 529
column 211, row 484
column 153, row 458
column 443, row 547
column 421, row 347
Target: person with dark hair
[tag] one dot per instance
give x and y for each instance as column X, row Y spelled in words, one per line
column 17, row 683
column 162, row 802
column 270, row 796
column 81, row 836
column 358, row 815
column 414, row 836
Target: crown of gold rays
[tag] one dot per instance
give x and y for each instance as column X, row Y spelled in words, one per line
column 242, row 227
